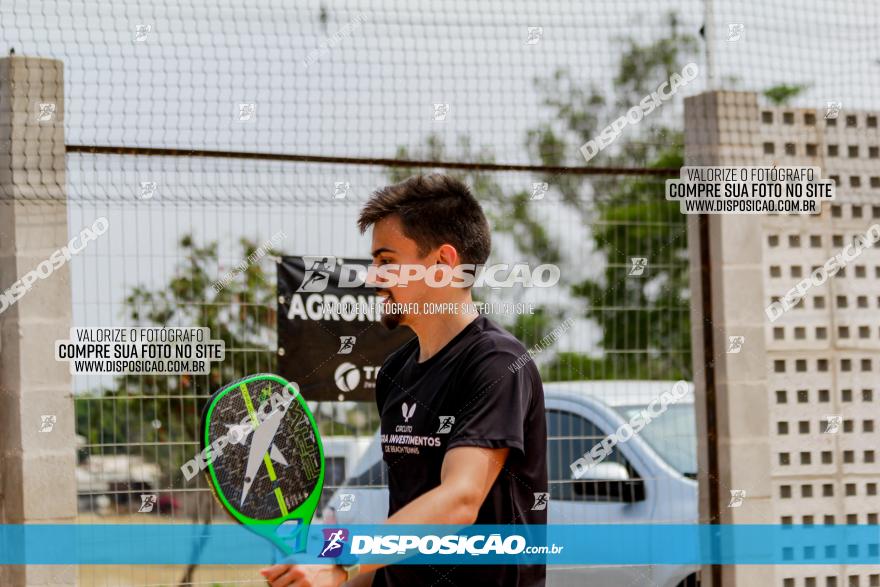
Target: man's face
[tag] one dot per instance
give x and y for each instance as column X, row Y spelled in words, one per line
column 391, row 247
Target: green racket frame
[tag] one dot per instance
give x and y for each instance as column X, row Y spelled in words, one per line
column 303, row 514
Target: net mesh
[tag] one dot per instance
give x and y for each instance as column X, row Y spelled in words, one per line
column 203, row 131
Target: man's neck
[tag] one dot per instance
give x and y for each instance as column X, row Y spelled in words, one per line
column 436, row 330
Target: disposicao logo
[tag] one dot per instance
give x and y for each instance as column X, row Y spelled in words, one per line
column 334, row 540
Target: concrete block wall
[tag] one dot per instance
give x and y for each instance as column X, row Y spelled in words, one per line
column 37, row 469
column 818, row 360
column 823, row 356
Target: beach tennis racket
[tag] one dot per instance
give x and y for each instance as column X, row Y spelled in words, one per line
column 267, row 461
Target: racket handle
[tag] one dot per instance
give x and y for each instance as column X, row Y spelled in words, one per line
column 293, row 534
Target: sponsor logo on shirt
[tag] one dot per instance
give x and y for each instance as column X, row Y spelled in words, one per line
column 404, row 441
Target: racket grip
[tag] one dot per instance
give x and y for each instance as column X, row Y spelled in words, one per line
column 293, row 534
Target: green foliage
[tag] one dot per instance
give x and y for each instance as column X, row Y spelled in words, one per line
column 570, row 366
column 531, row 328
column 644, row 321
column 781, row 94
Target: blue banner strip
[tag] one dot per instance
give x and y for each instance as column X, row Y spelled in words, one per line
column 636, row 544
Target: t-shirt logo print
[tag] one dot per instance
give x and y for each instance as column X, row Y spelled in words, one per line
column 407, row 413
column 446, row 423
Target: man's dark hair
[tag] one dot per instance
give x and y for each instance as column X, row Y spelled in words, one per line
column 434, row 210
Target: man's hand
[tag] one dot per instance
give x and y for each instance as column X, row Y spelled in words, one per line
column 466, row 476
column 304, row 575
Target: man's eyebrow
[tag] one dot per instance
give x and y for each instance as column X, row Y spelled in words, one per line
column 381, row 250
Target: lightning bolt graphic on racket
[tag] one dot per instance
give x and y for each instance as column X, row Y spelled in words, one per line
column 260, row 451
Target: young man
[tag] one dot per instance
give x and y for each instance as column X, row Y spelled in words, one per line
column 463, row 430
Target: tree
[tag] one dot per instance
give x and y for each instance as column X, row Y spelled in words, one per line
column 645, row 321
column 161, row 413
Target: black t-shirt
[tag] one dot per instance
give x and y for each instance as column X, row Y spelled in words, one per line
column 470, row 393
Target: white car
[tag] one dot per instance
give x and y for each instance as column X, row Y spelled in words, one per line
column 650, row 479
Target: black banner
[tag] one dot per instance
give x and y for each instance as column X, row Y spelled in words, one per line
column 330, row 339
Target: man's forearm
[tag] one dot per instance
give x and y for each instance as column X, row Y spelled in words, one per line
column 467, row 475
column 439, row 506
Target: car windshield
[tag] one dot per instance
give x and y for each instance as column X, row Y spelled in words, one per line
column 375, row 476
column 673, row 435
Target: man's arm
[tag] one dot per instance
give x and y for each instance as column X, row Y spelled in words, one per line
column 466, row 476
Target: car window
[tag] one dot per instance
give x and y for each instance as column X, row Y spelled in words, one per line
column 674, row 436
column 569, row 436
column 334, row 476
column 334, row 471
column 375, row 476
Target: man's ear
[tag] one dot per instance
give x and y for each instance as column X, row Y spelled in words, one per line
column 449, row 251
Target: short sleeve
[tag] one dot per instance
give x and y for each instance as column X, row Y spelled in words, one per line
column 494, row 403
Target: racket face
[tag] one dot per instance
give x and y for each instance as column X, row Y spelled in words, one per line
column 270, row 467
